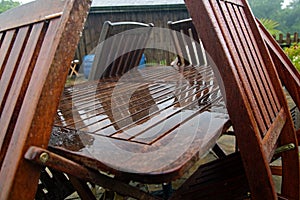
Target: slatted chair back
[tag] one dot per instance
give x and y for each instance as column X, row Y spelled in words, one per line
column 289, row 75
column 187, row 44
column 120, row 48
column 254, row 97
column 37, row 43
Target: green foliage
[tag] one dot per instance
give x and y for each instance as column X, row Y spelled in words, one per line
column 265, row 8
column 293, row 53
column 7, row 4
column 271, row 26
column 291, row 17
column 288, row 17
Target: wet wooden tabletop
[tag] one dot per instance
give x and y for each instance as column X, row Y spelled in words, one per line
column 149, row 125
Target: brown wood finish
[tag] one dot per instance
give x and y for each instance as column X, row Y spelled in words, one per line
column 120, row 48
column 288, row 74
column 38, row 41
column 144, row 113
column 135, row 127
column 190, row 53
column 222, row 179
column 254, row 97
column 80, row 171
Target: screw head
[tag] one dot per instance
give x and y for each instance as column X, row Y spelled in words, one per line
column 44, row 157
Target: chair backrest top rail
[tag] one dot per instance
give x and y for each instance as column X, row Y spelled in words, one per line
column 23, row 14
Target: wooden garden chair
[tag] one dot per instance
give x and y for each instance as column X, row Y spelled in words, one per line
column 111, row 60
column 184, row 32
column 187, row 44
column 191, row 54
column 254, row 97
column 288, row 74
column 37, row 44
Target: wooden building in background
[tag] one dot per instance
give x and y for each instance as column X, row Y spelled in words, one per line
column 158, row 12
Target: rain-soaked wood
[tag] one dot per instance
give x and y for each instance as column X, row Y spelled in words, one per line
column 75, row 169
column 82, row 187
column 37, row 44
column 254, row 95
column 221, row 179
column 150, row 125
column 287, row 72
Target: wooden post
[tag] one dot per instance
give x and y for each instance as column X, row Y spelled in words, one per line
column 288, row 39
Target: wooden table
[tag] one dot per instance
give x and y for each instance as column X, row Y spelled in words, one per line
column 149, row 125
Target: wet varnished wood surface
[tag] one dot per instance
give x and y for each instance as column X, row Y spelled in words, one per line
column 149, row 125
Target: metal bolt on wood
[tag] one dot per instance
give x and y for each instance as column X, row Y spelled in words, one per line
column 284, row 148
column 44, row 157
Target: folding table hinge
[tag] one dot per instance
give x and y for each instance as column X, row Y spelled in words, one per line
column 284, row 148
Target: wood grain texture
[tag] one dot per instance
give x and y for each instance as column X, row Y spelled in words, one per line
column 253, row 92
column 38, row 41
column 153, row 123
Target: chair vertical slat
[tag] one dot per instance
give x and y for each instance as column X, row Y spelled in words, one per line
column 115, row 50
column 5, row 49
column 190, row 48
column 135, row 63
column 1, row 38
column 12, row 64
column 195, row 49
column 125, row 58
column 141, row 43
column 137, row 53
column 185, row 54
column 177, row 46
column 268, row 100
column 199, row 46
column 117, row 61
column 263, row 99
column 265, row 78
column 134, row 56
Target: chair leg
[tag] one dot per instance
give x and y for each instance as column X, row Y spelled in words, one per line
column 82, row 188
column 219, row 151
column 53, row 185
column 167, row 190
